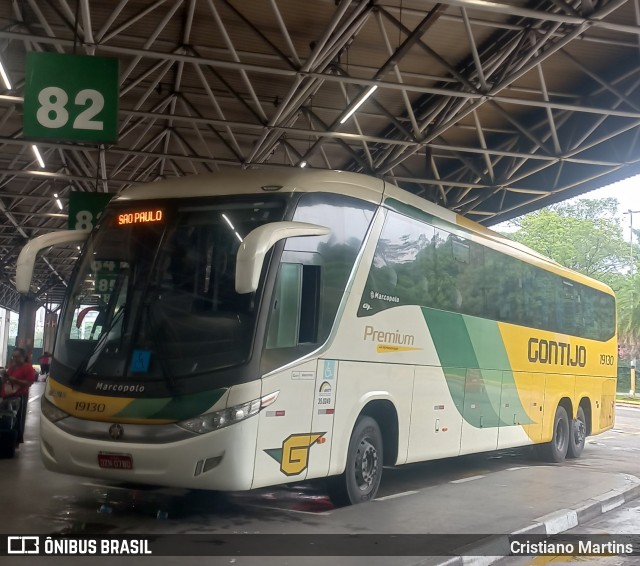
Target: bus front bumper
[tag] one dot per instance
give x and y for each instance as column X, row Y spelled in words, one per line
column 220, row 460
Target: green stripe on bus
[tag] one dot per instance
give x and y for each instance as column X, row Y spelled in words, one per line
column 487, row 343
column 492, row 358
column 461, row 368
column 476, row 368
column 176, row 408
column 451, row 338
column 142, row 408
column 490, row 351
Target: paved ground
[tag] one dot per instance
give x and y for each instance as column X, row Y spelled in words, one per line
column 623, row 520
column 491, row 493
column 624, row 440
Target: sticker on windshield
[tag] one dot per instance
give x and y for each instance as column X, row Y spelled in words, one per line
column 140, row 361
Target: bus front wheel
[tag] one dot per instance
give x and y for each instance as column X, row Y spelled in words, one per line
column 577, row 435
column 556, row 450
column 363, row 472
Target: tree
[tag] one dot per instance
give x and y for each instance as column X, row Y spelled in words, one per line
column 628, row 302
column 585, row 236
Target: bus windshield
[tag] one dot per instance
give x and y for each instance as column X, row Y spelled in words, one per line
column 154, row 295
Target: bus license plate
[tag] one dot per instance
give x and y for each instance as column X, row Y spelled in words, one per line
column 115, row 461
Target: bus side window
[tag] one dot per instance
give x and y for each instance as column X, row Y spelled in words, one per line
column 284, row 318
column 333, row 255
column 295, row 310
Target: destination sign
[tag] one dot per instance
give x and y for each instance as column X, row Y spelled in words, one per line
column 139, row 217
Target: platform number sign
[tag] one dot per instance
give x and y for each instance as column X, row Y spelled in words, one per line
column 85, row 209
column 71, row 97
column 106, row 273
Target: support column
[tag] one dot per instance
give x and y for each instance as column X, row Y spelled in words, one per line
column 49, row 337
column 27, row 324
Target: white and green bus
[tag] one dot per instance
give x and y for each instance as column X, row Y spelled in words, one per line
column 246, row 329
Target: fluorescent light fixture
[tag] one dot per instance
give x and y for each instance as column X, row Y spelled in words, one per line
column 59, row 204
column 303, row 164
column 38, row 156
column 362, row 101
column 239, row 236
column 5, row 77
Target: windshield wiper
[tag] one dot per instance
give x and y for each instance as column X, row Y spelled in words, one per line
column 80, row 372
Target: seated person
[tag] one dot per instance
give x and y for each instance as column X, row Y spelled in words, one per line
column 18, row 377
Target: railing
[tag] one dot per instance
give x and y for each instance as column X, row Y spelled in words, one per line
column 624, row 385
column 624, row 379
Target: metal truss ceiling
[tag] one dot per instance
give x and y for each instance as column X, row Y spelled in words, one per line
column 489, row 108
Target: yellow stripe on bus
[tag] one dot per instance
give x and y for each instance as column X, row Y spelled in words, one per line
column 93, row 407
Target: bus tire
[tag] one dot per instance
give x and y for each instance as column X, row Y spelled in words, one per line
column 556, row 450
column 577, row 435
column 363, row 471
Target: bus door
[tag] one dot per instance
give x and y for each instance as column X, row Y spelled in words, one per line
column 322, row 418
column 436, row 416
column 482, row 391
column 285, row 438
column 521, row 407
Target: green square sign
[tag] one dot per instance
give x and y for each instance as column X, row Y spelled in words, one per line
column 86, row 208
column 71, row 97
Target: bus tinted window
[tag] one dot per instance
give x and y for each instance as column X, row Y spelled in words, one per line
column 349, row 220
column 418, row 264
column 169, row 285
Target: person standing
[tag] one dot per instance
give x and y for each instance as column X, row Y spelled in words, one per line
column 45, row 361
column 17, row 379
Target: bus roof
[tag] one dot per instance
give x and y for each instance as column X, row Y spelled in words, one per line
column 252, row 181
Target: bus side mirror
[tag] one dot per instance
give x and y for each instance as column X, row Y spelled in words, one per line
column 258, row 242
column 28, row 254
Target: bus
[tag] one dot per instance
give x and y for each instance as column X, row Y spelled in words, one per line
column 245, row 329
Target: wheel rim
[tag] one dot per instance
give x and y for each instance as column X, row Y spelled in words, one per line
column 366, row 464
column 561, row 436
column 579, row 432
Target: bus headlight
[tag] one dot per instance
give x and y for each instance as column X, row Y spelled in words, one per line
column 51, row 412
column 209, row 422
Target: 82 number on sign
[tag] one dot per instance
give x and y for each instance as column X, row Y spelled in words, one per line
column 53, row 112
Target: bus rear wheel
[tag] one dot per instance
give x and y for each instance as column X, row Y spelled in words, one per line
column 363, row 472
column 556, row 450
column 577, row 435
